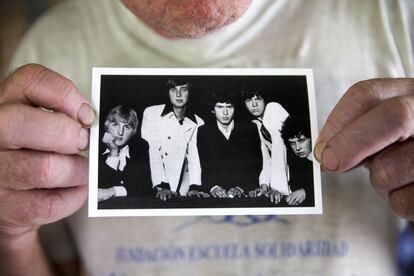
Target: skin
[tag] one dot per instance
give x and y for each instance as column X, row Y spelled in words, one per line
column 218, row 192
column 301, row 146
column 187, row 18
column 118, row 134
column 179, row 96
column 372, row 124
column 255, row 105
column 296, row 197
column 224, row 113
column 51, row 182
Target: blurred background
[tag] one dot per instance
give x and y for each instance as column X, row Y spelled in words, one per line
column 16, row 16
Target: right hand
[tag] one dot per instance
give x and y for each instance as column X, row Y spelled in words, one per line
column 274, row 195
column 258, row 192
column 42, row 176
column 218, row 192
column 165, row 194
column 104, row 194
column 109, row 140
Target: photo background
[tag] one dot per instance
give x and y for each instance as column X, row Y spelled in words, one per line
column 139, row 92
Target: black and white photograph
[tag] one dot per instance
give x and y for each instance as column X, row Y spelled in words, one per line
column 203, row 142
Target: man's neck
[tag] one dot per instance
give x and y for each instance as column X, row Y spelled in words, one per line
column 225, row 127
column 226, row 130
column 179, row 112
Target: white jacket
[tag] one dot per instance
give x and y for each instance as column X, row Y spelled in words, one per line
column 172, row 147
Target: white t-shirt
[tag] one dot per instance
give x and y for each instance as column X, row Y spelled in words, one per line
column 343, row 41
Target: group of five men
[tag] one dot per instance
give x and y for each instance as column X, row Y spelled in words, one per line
column 223, row 159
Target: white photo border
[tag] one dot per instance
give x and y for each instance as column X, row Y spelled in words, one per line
column 97, row 72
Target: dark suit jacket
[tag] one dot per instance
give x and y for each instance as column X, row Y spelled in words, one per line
column 301, row 176
column 236, row 162
column 136, row 176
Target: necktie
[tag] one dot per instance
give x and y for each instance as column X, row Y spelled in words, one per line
column 265, row 133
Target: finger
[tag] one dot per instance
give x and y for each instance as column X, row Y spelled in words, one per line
column 290, row 199
column 23, row 126
column 393, row 168
column 385, row 124
column 23, row 170
column 37, row 207
column 360, row 98
column 107, row 137
column 277, row 199
column 401, row 201
column 39, row 86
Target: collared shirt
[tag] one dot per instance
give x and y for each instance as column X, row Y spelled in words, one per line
column 226, row 132
column 118, row 162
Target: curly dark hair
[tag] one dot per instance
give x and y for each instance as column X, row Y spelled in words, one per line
column 294, row 127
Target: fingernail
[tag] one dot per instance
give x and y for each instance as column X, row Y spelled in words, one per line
column 83, row 139
column 86, row 114
column 328, row 159
column 317, row 153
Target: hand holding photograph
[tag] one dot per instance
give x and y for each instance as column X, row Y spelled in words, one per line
column 203, row 142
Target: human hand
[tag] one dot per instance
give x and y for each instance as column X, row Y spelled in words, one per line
column 165, row 194
column 296, row 197
column 373, row 124
column 218, row 192
column 195, row 193
column 274, row 195
column 259, row 191
column 42, row 177
column 109, row 140
column 104, row 194
column 235, row 192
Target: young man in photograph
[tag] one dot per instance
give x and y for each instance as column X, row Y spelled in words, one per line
column 269, row 118
column 296, row 136
column 123, row 169
column 229, row 152
column 171, row 132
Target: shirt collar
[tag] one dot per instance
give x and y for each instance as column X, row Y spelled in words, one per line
column 226, row 132
column 123, row 151
column 189, row 113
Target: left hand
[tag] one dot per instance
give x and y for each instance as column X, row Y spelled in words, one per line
column 104, row 194
column 195, row 193
column 234, row 192
column 296, row 198
column 275, row 196
column 373, row 124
